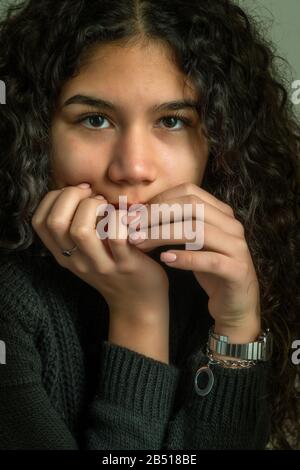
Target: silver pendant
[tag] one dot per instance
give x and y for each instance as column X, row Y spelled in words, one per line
column 210, row 382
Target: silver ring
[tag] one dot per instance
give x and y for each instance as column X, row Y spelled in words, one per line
column 69, row 252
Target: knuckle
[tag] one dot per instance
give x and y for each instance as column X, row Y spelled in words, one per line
column 36, row 221
column 80, row 232
column 188, row 188
column 239, row 228
column 215, row 262
column 241, row 245
column 55, row 223
column 229, row 210
column 103, row 271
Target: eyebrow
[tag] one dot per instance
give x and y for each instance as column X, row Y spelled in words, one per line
column 104, row 104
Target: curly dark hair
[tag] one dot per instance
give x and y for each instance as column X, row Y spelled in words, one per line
column 253, row 134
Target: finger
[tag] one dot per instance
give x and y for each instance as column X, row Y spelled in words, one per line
column 187, row 208
column 101, row 245
column 121, row 250
column 86, row 231
column 39, row 217
column 207, row 262
column 202, row 235
column 43, row 209
column 187, row 189
column 59, row 218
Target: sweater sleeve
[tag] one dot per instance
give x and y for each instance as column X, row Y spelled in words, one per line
column 135, row 397
column 135, row 405
column 28, row 420
column 131, row 409
column 234, row 415
column 139, row 402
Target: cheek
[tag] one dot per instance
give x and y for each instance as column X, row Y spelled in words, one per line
column 188, row 161
column 72, row 160
column 180, row 166
column 199, row 152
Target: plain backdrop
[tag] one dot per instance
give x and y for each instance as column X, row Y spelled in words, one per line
column 281, row 19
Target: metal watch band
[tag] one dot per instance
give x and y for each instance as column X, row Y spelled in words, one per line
column 259, row 350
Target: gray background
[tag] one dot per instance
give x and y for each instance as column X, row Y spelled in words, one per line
column 280, row 18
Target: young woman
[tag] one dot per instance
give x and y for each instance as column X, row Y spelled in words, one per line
column 109, row 343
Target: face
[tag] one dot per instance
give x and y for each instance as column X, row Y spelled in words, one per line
column 113, row 128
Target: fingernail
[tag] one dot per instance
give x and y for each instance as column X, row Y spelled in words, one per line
column 99, row 197
column 168, row 257
column 84, row 185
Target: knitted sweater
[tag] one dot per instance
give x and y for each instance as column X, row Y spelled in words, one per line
column 65, row 386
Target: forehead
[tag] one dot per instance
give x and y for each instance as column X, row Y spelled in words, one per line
column 139, row 71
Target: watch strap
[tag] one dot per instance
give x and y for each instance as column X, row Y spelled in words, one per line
column 259, row 350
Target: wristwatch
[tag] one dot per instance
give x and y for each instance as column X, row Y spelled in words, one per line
column 259, row 350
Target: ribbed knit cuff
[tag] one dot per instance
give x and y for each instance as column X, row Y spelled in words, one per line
column 136, row 382
column 237, row 397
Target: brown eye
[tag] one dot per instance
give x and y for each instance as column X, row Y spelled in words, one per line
column 171, row 122
column 95, row 121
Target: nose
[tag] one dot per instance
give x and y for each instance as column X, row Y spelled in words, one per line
column 133, row 159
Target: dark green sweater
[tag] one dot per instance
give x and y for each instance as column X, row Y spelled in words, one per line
column 64, row 386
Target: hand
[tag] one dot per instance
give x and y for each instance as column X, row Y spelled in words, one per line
column 131, row 282
column 223, row 267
